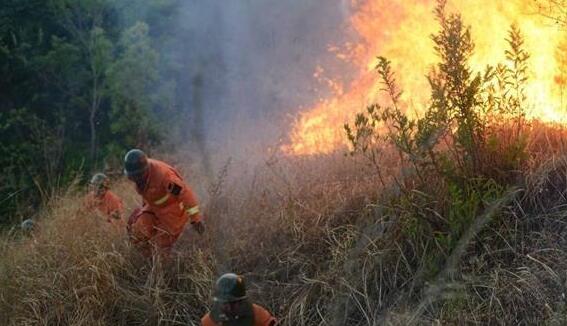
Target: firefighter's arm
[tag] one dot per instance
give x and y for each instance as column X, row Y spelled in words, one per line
column 114, row 207
column 118, row 210
column 116, row 215
column 188, row 199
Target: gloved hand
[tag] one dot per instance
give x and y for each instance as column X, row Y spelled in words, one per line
column 133, row 218
column 115, row 215
column 199, row 227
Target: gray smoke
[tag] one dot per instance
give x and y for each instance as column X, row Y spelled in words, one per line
column 248, row 67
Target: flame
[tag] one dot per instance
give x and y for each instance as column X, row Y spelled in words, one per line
column 400, row 30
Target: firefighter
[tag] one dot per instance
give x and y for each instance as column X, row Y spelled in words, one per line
column 28, row 227
column 231, row 306
column 100, row 198
column 169, row 203
column 29, row 230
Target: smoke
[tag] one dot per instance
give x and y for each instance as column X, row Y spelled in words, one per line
column 247, row 66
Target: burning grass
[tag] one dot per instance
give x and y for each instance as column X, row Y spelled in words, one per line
column 400, row 30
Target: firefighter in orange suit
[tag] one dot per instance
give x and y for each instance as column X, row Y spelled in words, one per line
column 100, row 198
column 231, row 306
column 168, row 203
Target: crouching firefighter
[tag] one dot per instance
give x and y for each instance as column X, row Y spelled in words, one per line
column 101, row 199
column 231, row 306
column 168, row 204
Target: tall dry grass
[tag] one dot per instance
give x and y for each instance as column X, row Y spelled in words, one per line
column 320, row 243
column 282, row 227
column 78, row 270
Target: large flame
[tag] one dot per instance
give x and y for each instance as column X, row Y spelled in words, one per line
column 400, row 30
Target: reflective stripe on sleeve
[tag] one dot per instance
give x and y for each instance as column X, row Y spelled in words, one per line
column 193, row 210
column 162, row 200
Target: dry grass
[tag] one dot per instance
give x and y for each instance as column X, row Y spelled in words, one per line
column 319, row 243
column 77, row 271
column 281, row 229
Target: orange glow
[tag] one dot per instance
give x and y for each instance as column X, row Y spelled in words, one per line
column 400, row 30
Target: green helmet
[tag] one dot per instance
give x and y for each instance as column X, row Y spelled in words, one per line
column 231, row 306
column 230, row 288
column 27, row 225
column 135, row 163
column 100, row 180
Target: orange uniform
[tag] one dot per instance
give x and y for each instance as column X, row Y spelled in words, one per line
column 261, row 318
column 110, row 205
column 168, row 204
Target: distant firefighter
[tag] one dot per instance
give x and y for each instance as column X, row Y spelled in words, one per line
column 28, row 226
column 169, row 203
column 231, row 306
column 103, row 200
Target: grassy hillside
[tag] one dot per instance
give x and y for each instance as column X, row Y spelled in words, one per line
column 320, row 244
column 282, row 229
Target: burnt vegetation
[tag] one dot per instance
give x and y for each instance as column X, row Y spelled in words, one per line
column 456, row 216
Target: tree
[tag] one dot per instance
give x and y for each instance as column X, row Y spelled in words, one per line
column 99, row 58
column 79, row 83
column 132, row 78
column 84, row 21
column 454, row 89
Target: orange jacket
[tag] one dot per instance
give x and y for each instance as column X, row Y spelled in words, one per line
column 168, row 197
column 261, row 318
column 109, row 205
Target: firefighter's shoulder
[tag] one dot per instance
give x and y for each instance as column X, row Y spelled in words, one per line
column 165, row 173
column 262, row 316
column 207, row 320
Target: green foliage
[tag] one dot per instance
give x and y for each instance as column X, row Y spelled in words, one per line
column 504, row 105
column 504, row 86
column 458, row 127
column 454, row 89
column 25, row 165
column 137, row 58
column 92, row 84
column 381, row 126
column 517, row 72
column 466, row 202
column 131, row 78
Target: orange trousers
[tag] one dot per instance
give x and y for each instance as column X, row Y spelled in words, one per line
column 146, row 232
